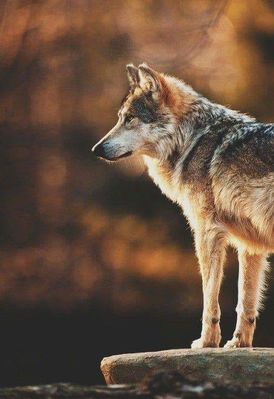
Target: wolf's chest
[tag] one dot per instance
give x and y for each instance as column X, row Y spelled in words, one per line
column 184, row 195
column 163, row 179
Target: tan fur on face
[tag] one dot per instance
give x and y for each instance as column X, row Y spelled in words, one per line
column 169, row 96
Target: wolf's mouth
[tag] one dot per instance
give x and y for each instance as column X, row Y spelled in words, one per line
column 125, row 155
column 102, row 152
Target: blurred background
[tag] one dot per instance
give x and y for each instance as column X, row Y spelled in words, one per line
column 94, row 260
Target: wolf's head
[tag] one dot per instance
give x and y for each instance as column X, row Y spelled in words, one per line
column 149, row 114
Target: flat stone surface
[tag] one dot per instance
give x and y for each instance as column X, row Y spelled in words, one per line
column 238, row 366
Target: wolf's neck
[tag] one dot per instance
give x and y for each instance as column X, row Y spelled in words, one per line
column 202, row 117
column 173, row 149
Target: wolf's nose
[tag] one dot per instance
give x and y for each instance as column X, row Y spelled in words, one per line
column 98, row 150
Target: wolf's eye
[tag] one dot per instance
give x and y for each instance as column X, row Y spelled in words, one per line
column 128, row 119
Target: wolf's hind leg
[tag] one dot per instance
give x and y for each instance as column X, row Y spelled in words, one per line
column 210, row 247
column 251, row 284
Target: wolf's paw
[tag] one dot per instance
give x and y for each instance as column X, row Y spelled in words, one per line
column 197, row 344
column 236, row 342
column 202, row 343
column 233, row 343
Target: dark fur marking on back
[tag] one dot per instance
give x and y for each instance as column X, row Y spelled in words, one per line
column 255, row 131
column 252, row 151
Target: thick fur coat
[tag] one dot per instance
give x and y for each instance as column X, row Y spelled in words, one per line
column 218, row 165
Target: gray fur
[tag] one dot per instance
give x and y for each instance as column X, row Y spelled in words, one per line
column 218, row 165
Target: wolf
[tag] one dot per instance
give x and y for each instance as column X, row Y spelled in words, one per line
column 218, row 165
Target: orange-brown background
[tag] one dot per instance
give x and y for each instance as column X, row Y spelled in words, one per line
column 94, row 260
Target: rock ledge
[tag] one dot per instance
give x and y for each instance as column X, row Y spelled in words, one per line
column 237, row 366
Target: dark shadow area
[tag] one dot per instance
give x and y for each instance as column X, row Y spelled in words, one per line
column 94, row 260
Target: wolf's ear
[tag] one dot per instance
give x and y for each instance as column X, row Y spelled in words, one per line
column 133, row 75
column 149, row 79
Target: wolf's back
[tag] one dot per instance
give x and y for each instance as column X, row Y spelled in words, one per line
column 248, row 150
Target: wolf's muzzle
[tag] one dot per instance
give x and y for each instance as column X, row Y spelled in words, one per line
column 99, row 150
column 102, row 151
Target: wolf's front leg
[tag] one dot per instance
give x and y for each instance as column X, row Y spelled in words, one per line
column 250, row 285
column 211, row 248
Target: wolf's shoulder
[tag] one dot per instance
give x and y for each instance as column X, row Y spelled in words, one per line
column 248, row 146
column 242, row 135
